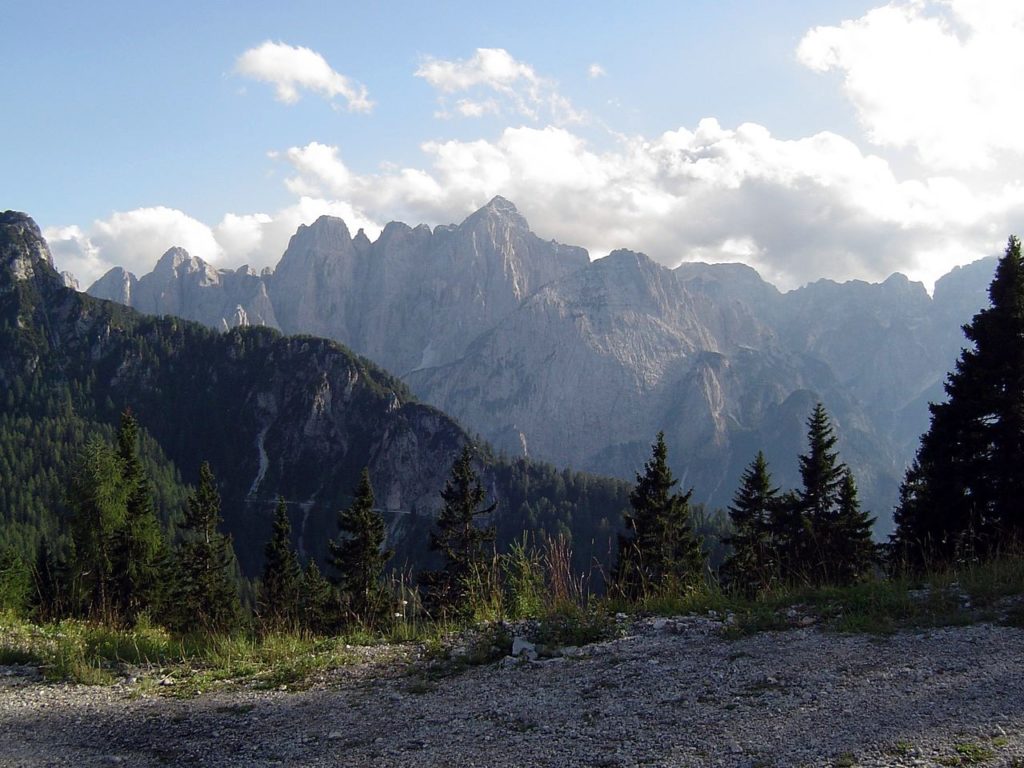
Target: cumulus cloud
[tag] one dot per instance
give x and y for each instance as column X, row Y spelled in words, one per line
column 515, row 85
column 292, row 68
column 940, row 78
column 796, row 210
column 595, row 70
column 136, row 239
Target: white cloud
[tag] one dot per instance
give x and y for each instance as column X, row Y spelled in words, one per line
column 595, row 70
column 292, row 68
column 796, row 210
column 518, row 88
column 941, row 78
column 136, row 239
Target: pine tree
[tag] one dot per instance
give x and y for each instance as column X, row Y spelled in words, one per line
column 822, row 475
column 98, row 499
column 855, row 553
column 207, row 595
column 457, row 537
column 962, row 496
column 659, row 550
column 139, row 540
column 753, row 564
column 359, row 556
column 317, row 600
column 279, row 593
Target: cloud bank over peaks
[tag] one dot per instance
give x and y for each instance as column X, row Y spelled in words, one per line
column 797, row 210
column 291, row 69
column 495, row 83
column 940, row 78
column 136, row 239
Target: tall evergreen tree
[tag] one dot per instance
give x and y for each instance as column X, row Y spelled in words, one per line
column 207, row 596
column 836, row 547
column 855, row 553
column 659, row 550
column 822, row 475
column 963, row 493
column 753, row 564
column 98, row 498
column 458, row 538
column 359, row 556
column 139, row 541
column 282, row 576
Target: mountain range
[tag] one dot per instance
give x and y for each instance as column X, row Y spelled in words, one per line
column 293, row 417
column 548, row 354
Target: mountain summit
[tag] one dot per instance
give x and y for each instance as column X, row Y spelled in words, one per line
column 540, row 350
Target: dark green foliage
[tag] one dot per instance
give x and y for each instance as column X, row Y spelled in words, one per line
column 15, row 583
column 46, row 583
column 837, row 548
column 753, row 565
column 317, row 600
column 139, row 542
column 962, row 497
column 458, row 538
column 98, row 497
column 207, row 598
column 282, row 577
column 542, row 499
column 659, row 550
column 855, row 552
column 359, row 557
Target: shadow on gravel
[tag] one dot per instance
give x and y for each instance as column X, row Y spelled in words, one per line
column 778, row 700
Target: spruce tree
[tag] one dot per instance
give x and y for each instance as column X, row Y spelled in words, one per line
column 458, row 538
column 98, row 498
column 317, row 600
column 207, row 597
column 962, row 496
column 836, row 544
column 279, row 592
column 855, row 553
column 359, row 557
column 139, row 540
column 659, row 551
column 753, row 565
column 822, row 475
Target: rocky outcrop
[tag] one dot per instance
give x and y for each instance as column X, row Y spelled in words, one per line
column 186, row 286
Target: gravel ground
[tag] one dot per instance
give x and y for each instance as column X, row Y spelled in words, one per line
column 670, row 693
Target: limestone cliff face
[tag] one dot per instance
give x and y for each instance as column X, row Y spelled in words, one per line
column 544, row 353
column 186, row 286
column 415, row 297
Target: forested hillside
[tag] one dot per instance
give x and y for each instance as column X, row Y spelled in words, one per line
column 296, row 417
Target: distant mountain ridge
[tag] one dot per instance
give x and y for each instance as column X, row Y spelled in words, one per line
column 297, row 417
column 546, row 353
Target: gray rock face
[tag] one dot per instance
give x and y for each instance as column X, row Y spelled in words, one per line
column 415, row 298
column 543, row 352
column 186, row 286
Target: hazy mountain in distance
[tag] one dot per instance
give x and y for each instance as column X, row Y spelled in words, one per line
column 546, row 353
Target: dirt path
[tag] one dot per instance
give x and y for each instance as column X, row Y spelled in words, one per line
column 670, row 694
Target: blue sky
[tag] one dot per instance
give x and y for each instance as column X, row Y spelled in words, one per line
column 810, row 139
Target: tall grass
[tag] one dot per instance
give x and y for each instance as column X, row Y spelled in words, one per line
column 533, row 583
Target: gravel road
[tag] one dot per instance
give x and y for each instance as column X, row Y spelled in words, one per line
column 669, row 693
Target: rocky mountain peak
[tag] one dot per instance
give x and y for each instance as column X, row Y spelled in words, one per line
column 326, row 233
column 22, row 247
column 498, row 211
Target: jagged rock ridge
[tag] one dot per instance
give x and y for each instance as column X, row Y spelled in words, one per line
column 542, row 351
